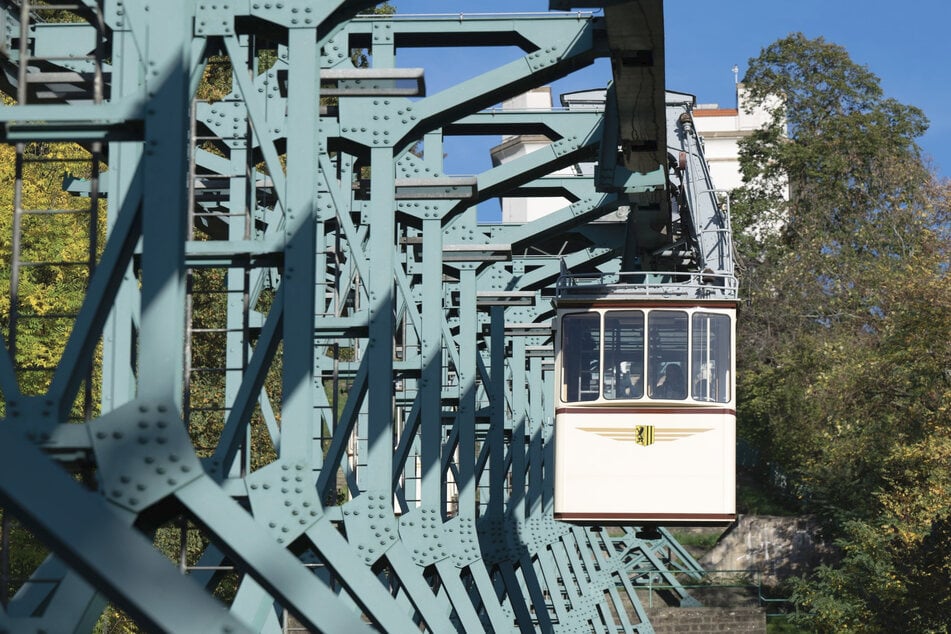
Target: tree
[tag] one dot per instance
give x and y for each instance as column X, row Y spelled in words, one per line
column 844, row 354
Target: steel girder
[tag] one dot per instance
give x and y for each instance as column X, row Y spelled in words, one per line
column 318, row 369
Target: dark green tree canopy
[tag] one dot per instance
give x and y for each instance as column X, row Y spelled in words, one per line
column 845, row 364
column 846, row 152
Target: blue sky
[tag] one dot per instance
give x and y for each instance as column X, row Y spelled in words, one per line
column 907, row 45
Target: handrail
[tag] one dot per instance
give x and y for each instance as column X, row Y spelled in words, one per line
column 757, row 584
column 463, row 15
column 648, row 284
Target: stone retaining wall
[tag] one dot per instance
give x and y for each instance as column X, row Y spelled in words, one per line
column 771, row 546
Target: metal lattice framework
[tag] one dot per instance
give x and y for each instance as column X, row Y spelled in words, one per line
column 320, row 375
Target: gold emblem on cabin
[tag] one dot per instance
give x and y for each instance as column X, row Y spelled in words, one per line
column 644, row 435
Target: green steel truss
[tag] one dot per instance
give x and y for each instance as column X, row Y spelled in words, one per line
column 325, row 387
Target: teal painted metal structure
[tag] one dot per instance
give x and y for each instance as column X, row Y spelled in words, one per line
column 318, row 370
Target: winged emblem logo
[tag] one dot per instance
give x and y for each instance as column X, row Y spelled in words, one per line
column 646, row 435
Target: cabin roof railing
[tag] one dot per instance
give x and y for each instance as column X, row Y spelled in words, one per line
column 647, row 285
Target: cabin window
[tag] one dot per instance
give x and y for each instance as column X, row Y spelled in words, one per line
column 711, row 357
column 667, row 354
column 580, row 357
column 623, row 354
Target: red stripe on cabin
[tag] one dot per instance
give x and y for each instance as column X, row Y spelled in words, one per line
column 645, row 410
column 681, row 517
column 673, row 302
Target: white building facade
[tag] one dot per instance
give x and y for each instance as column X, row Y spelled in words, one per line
column 721, row 130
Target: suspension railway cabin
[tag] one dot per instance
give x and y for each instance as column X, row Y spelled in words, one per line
column 645, row 403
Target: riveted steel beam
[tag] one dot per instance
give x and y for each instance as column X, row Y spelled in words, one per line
column 356, row 373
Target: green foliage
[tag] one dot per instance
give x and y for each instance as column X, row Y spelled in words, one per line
column 755, row 496
column 384, row 8
column 46, row 292
column 847, row 152
column 845, row 367
column 216, row 78
column 782, row 625
column 25, row 554
column 884, row 583
column 698, row 540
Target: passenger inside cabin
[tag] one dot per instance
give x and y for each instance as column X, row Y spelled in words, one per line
column 630, row 385
column 671, row 383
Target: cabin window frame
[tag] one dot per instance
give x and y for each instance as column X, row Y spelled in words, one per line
column 580, row 370
column 711, row 357
column 668, row 354
column 624, row 371
column 596, row 374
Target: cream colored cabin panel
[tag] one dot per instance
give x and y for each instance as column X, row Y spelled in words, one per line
column 644, row 467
